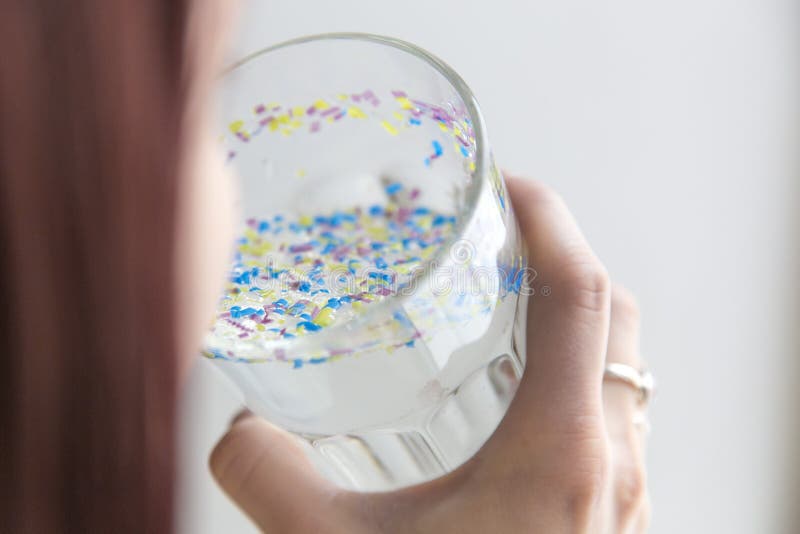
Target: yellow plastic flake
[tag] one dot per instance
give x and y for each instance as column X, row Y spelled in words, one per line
column 388, row 127
column 300, row 173
column 260, row 327
column 298, row 111
column 236, row 126
column 321, row 105
column 398, row 115
column 356, row 113
column 251, row 249
column 443, row 127
column 305, row 220
column 377, row 233
column 425, row 222
column 324, row 317
column 405, row 103
column 274, row 125
column 472, row 165
column 341, row 96
column 295, row 124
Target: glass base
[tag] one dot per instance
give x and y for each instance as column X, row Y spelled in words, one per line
column 426, row 446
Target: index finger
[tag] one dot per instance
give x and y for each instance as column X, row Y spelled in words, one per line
column 567, row 327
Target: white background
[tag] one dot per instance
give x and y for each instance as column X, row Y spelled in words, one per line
column 673, row 131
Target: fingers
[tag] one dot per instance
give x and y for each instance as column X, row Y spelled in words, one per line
column 265, row 472
column 567, row 329
column 553, row 433
column 620, row 400
column 627, row 497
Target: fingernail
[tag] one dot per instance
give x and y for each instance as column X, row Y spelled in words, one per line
column 242, row 414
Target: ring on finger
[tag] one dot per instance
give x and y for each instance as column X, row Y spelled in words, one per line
column 639, row 379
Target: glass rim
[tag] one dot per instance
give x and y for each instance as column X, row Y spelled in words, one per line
column 474, row 190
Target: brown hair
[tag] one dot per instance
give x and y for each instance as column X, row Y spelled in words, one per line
column 92, row 98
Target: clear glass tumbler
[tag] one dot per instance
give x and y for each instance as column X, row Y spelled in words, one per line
column 376, row 304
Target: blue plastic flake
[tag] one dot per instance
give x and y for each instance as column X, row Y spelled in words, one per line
column 243, row 278
column 386, row 277
column 393, row 188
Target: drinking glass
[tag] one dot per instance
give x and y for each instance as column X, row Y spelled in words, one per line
column 424, row 353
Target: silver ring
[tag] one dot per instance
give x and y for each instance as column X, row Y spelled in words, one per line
column 641, row 380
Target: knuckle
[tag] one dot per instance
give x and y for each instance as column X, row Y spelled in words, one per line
column 624, row 304
column 630, row 489
column 586, row 474
column 585, row 280
column 584, row 494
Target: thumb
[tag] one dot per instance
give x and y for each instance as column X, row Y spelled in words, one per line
column 266, row 473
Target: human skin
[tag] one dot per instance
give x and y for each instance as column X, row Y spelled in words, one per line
column 567, row 457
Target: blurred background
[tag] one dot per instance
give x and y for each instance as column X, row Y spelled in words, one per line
column 672, row 129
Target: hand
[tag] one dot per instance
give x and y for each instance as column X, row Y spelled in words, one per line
column 567, row 456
